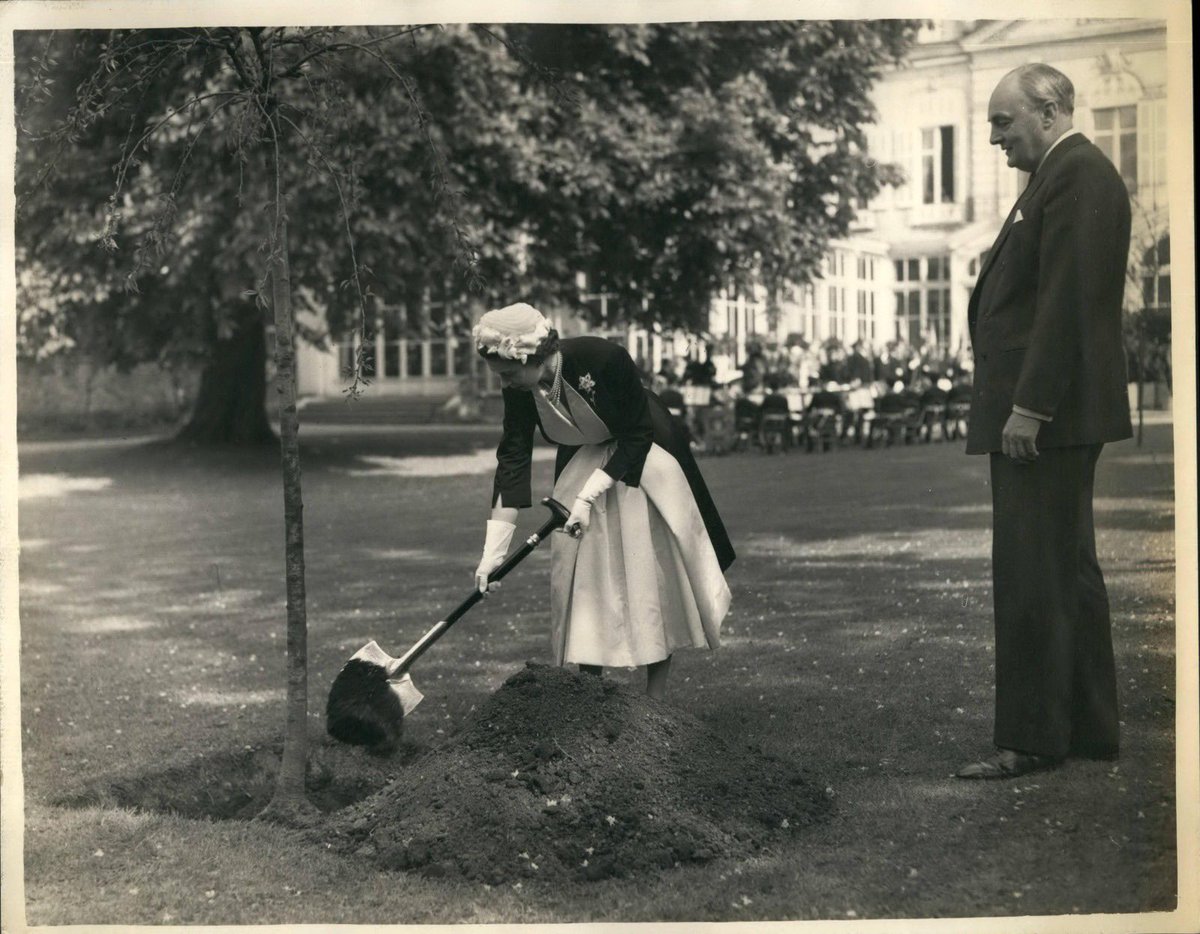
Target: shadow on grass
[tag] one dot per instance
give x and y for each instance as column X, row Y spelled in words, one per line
column 325, row 448
column 860, row 644
column 238, row 784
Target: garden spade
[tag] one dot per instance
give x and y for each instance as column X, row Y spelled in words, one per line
column 373, row 692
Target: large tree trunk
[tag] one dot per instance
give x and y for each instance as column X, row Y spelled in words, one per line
column 231, row 402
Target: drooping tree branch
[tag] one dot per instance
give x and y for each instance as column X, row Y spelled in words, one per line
column 156, row 238
column 127, row 159
column 550, row 78
column 295, row 70
column 466, row 256
column 362, row 359
column 91, row 106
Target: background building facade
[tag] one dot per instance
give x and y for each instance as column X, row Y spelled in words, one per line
column 908, row 267
column 906, row 270
column 958, row 190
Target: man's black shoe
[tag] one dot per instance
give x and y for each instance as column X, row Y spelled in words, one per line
column 1008, row 763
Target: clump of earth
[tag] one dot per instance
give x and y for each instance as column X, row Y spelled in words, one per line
column 565, row 776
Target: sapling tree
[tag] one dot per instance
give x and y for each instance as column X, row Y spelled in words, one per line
column 309, row 177
column 239, row 97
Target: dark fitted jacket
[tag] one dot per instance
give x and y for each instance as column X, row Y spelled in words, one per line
column 1045, row 314
column 858, row 367
column 606, row 376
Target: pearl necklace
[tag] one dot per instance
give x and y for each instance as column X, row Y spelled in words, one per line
column 554, row 393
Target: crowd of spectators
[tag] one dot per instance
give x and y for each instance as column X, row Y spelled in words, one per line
column 859, row 382
column 808, row 366
column 856, row 387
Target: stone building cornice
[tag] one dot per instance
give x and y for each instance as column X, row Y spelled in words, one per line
column 1016, row 34
column 1001, row 37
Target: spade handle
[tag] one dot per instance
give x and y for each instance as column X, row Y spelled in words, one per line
column 558, row 518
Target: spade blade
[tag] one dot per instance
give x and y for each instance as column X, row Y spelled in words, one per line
column 406, row 692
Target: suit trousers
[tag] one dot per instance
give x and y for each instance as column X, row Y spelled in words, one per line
column 1056, row 686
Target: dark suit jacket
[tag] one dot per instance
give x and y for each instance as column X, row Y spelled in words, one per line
column 859, row 367
column 606, row 376
column 1045, row 314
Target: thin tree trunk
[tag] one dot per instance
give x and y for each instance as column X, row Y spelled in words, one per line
column 289, row 803
column 1141, row 378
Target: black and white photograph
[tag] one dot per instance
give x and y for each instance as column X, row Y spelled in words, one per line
column 646, row 466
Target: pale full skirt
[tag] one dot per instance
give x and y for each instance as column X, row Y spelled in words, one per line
column 644, row 580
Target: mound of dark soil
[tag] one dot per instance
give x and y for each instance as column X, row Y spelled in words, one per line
column 567, row 776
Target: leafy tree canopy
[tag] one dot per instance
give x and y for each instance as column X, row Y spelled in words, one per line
column 667, row 161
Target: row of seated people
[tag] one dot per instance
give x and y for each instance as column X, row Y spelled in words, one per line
column 870, row 416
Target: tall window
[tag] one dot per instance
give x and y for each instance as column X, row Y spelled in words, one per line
column 938, row 315
column 866, row 268
column 908, row 301
column 837, row 312
column 1116, row 135
column 1156, row 275
column 594, row 294
column 865, row 314
column 923, row 300
column 937, row 165
column 808, row 301
column 937, row 299
column 908, row 316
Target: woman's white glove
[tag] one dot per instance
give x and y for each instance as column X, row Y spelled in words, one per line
column 495, row 547
column 580, row 519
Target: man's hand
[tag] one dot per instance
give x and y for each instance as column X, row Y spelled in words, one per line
column 1019, row 440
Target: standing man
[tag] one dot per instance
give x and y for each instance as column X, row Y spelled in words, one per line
column 1050, row 390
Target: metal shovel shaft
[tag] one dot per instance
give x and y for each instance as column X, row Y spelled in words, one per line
column 558, row 518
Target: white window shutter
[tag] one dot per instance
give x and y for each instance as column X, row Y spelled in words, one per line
column 957, row 164
column 1145, row 145
column 886, row 155
column 1160, row 151
column 910, row 161
column 897, row 194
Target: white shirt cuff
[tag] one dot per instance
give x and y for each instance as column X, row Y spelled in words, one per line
column 1029, row 413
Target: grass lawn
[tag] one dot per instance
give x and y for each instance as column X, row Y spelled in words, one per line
column 859, row 646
